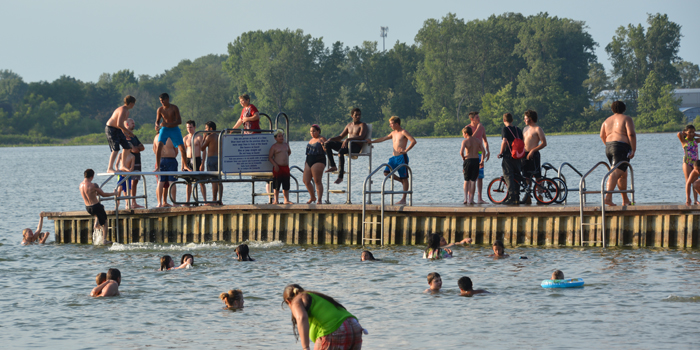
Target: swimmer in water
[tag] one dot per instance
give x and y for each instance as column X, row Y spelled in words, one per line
column 466, row 288
column 368, row 256
column 434, row 251
column 101, row 278
column 233, row 299
column 242, row 253
column 187, row 260
column 110, row 287
column 435, row 282
column 557, row 275
column 167, row 263
column 498, row 250
column 444, row 245
column 29, row 237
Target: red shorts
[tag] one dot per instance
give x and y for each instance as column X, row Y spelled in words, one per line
column 347, row 337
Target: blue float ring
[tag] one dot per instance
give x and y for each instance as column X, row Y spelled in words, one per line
column 565, row 283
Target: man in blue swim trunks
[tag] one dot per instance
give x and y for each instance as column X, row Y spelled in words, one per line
column 400, row 139
column 169, row 114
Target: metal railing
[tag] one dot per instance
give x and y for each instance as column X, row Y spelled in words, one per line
column 603, row 192
column 383, row 193
column 116, row 200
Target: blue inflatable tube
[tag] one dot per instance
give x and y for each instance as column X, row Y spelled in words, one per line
column 566, row 283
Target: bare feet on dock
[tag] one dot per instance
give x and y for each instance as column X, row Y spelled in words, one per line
column 287, row 202
column 401, row 202
column 331, row 169
column 610, row 203
column 481, row 201
column 311, row 201
column 136, row 206
column 465, row 202
column 319, row 201
column 626, row 203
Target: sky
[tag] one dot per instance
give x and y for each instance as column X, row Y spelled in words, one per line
column 44, row 39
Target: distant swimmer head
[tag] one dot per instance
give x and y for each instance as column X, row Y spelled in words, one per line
column 242, row 253
column 101, row 278
column 557, row 275
column 498, row 248
column 618, row 107
column 185, row 257
column 465, row 284
column 434, row 241
column 233, row 299
column 434, row 281
column 166, row 262
column 27, row 234
column 367, row 256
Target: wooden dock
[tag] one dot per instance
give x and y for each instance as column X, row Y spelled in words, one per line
column 661, row 225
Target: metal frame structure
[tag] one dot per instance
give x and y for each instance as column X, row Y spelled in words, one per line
column 582, row 199
column 383, row 193
column 349, row 172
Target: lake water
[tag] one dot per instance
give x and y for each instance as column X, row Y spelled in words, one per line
column 633, row 298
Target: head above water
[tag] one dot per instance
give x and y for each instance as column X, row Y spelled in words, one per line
column 166, row 262
column 618, row 107
column 187, row 256
column 557, row 275
column 233, row 299
column 434, row 280
column 434, row 241
column 465, row 284
column 243, row 253
column 367, row 256
column 498, row 248
column 114, row 275
column 101, row 278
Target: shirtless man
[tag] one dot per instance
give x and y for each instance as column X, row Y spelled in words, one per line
column 355, row 131
column 479, row 133
column 169, row 114
column 136, row 149
column 533, row 137
column 194, row 149
column 167, row 163
column 210, row 151
column 126, row 164
column 118, row 131
column 89, row 191
column 620, row 139
column 400, row 138
column 110, row 287
column 471, row 151
column 29, row 237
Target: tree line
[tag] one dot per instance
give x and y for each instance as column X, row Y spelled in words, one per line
column 505, row 63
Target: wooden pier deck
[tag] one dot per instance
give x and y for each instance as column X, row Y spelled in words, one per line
column 659, row 225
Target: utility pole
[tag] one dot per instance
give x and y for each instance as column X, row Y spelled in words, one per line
column 384, row 30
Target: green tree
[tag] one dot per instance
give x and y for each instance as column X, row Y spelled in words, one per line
column 657, row 105
column 494, row 106
column 689, row 74
column 12, row 90
column 203, row 91
column 634, row 54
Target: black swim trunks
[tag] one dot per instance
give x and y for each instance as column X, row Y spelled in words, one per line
column 99, row 211
column 618, row 152
column 531, row 166
column 471, row 169
column 198, row 161
column 116, row 137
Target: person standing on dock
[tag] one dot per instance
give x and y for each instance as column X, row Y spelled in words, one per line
column 511, row 166
column 620, row 139
column 117, row 130
column 250, row 117
column 479, row 133
column 89, row 191
column 193, row 145
column 167, row 163
column 355, row 131
column 210, row 152
column 167, row 121
column 137, row 148
column 400, row 138
column 533, row 137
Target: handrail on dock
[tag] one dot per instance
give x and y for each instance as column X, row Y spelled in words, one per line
column 383, row 193
column 603, row 192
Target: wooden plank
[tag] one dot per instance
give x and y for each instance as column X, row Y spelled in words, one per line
column 689, row 236
column 658, row 231
column 681, row 231
column 528, row 230
column 666, row 230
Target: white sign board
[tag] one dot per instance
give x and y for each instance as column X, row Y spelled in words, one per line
column 247, row 153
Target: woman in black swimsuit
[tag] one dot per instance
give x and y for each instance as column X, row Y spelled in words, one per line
column 315, row 163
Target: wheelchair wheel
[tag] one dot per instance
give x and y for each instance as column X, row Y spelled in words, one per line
column 546, row 191
column 497, row 190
